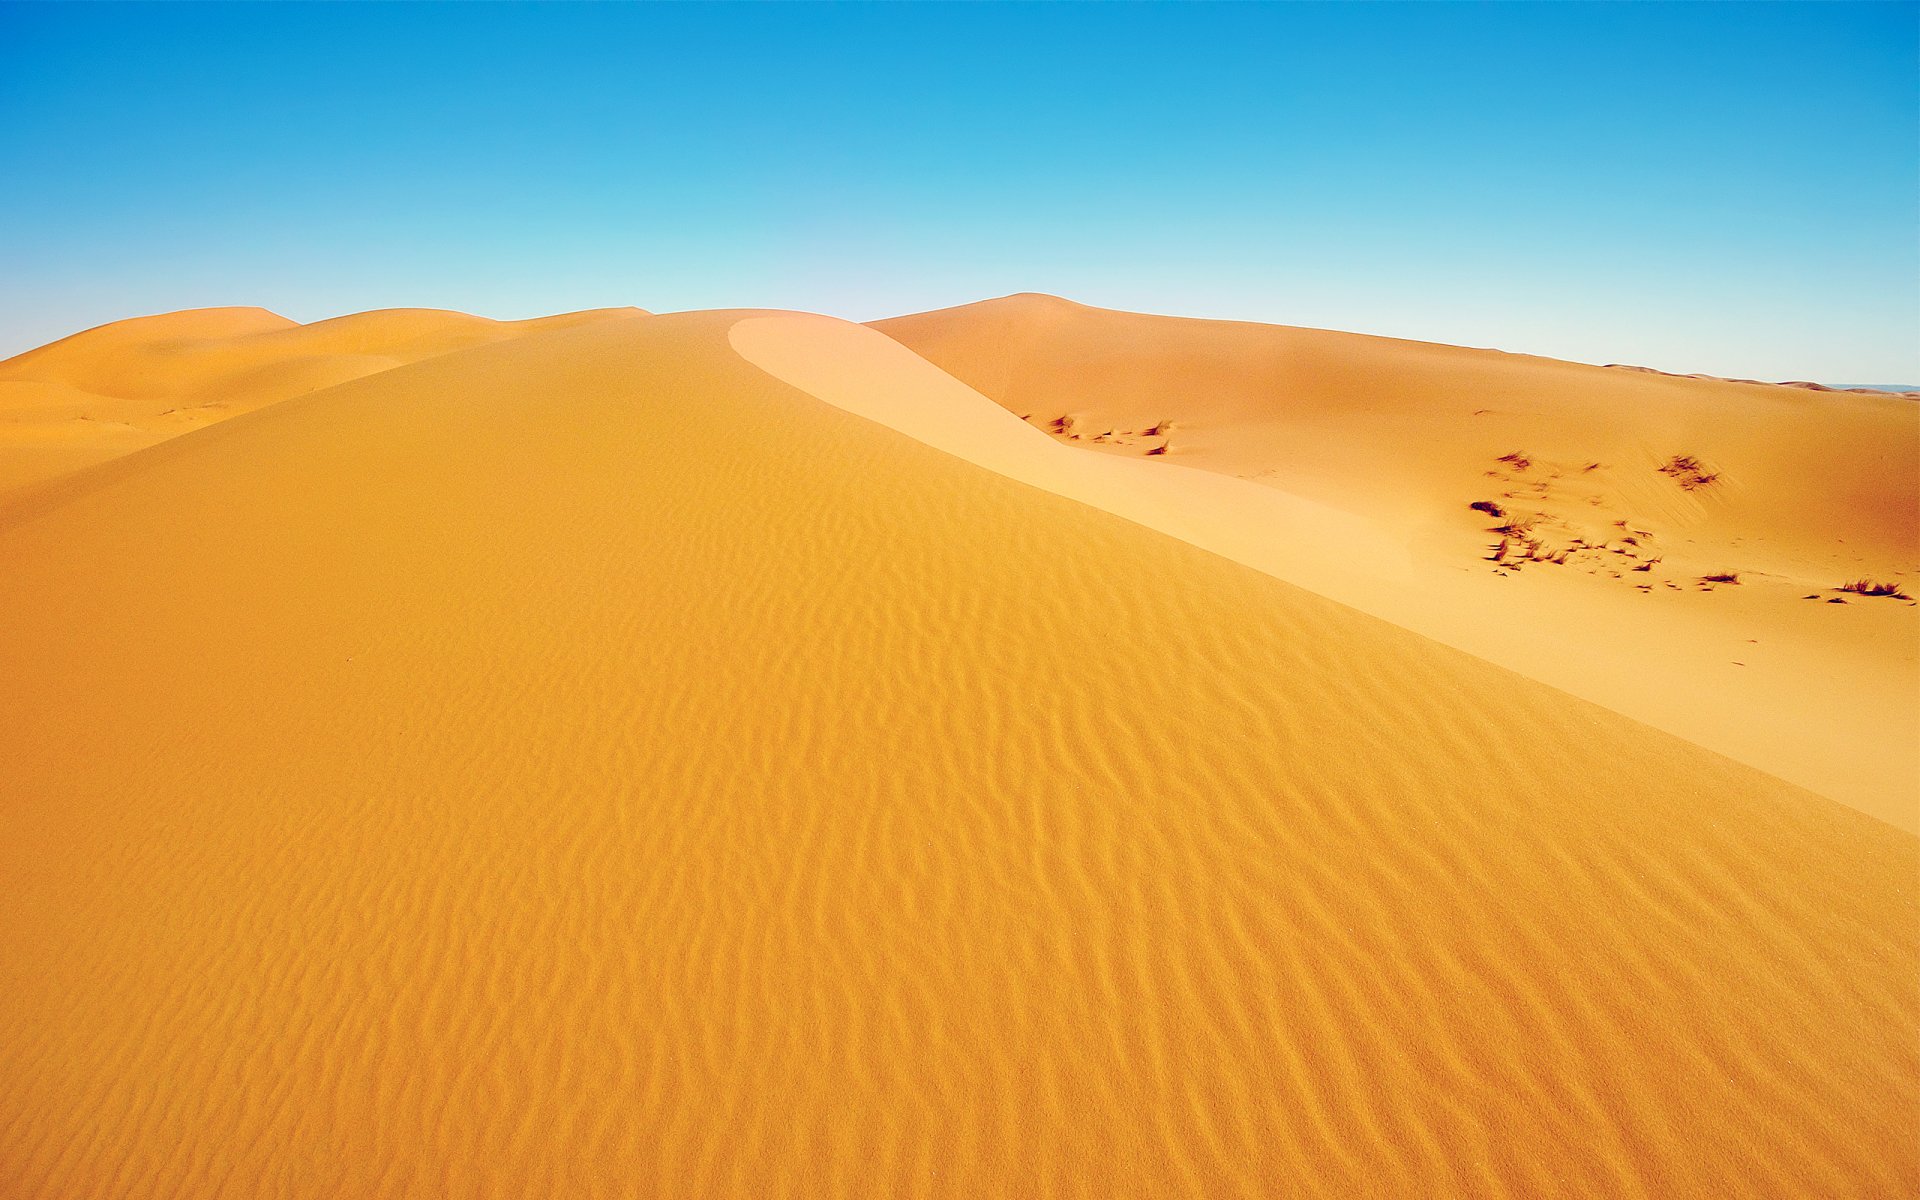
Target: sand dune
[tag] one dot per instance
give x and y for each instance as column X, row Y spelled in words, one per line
column 1908, row 393
column 587, row 764
column 1632, row 491
column 109, row 391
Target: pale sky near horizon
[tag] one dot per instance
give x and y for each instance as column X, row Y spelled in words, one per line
column 1725, row 188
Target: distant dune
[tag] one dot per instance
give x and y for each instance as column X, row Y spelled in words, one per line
column 1911, row 391
column 1866, row 389
column 733, row 754
column 108, row 391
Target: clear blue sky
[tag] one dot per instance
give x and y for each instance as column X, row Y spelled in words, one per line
column 1714, row 187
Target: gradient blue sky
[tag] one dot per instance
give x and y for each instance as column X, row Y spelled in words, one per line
column 1714, row 187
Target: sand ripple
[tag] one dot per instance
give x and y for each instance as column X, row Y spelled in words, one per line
column 586, row 766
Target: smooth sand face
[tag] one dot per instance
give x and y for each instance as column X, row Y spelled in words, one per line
column 588, row 764
column 97, row 395
column 1809, row 491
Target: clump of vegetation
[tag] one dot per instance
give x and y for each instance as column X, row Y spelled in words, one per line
column 1722, row 577
column 1160, row 430
column 1689, row 472
column 1516, row 527
column 1513, row 551
column 1516, row 460
column 1867, row 587
column 1488, row 507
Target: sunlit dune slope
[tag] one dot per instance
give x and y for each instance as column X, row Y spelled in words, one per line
column 108, row 391
column 1664, row 546
column 587, row 765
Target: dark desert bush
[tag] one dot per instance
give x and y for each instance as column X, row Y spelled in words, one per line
column 1867, row 587
column 1689, row 472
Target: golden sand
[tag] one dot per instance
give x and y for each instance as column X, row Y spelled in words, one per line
column 641, row 755
column 1384, row 445
column 109, row 391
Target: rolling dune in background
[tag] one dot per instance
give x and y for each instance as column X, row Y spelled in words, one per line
column 108, row 391
column 1792, row 493
column 719, row 754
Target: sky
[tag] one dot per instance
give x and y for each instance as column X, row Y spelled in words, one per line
column 1697, row 187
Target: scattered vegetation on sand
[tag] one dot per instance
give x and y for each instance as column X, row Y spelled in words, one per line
column 1515, row 527
column 1514, row 551
column 1868, row 587
column 1070, row 427
column 1689, row 472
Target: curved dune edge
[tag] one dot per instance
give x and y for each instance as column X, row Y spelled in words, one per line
column 1812, row 490
column 1794, row 722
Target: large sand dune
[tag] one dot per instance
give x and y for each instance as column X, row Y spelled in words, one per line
column 722, row 754
column 106, row 392
column 1633, row 491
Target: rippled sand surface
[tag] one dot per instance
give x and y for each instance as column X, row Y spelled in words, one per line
column 1529, row 511
column 587, row 764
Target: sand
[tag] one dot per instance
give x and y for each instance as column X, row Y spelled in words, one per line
column 1393, row 441
column 648, row 756
column 97, row 395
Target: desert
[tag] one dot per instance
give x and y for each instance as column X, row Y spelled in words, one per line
column 725, row 753
column 989, row 601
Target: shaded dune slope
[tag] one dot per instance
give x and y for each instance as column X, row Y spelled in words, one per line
column 109, row 391
column 589, row 766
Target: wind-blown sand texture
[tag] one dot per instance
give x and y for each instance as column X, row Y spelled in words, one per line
column 645, row 756
column 1793, row 493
